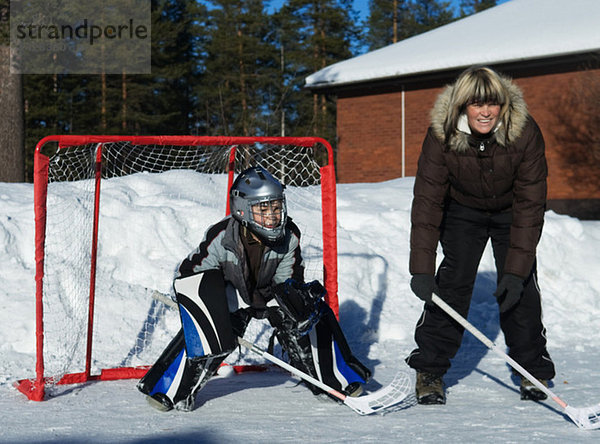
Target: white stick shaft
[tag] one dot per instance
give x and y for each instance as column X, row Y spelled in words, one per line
column 250, row 346
column 492, row 346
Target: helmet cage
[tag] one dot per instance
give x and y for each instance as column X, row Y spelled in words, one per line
column 259, row 221
column 254, row 187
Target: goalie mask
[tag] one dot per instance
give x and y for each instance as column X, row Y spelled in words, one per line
column 258, row 203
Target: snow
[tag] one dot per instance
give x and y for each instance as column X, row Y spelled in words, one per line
column 513, row 31
column 378, row 313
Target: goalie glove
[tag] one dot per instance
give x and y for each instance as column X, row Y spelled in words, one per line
column 301, row 302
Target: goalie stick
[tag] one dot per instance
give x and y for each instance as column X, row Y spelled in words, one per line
column 164, row 298
column 377, row 401
column 585, row 418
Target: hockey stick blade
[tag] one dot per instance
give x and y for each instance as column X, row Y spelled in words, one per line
column 585, row 418
column 363, row 405
column 383, row 398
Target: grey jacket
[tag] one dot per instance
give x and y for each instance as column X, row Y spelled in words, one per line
column 222, row 249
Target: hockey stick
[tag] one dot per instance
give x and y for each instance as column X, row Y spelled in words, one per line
column 363, row 405
column 584, row 418
column 164, row 298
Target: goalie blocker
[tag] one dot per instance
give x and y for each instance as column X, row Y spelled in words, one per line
column 304, row 325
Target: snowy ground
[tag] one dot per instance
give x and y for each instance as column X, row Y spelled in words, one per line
column 378, row 314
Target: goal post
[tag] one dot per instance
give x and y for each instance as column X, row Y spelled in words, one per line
column 108, row 207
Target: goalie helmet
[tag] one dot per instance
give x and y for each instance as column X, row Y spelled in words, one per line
column 257, row 201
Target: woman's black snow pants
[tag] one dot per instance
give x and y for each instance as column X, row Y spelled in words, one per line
column 464, row 235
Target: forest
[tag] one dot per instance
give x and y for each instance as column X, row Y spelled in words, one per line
column 221, row 67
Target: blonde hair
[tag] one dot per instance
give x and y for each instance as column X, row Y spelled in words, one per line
column 476, row 85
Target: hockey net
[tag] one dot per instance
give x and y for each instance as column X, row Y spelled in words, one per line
column 114, row 218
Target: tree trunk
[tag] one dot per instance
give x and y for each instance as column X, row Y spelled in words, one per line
column 124, row 101
column 103, row 102
column 395, row 22
column 12, row 159
column 243, row 85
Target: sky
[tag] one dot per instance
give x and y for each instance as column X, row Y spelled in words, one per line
column 149, row 224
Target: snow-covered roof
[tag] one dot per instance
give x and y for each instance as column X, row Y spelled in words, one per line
column 513, row 31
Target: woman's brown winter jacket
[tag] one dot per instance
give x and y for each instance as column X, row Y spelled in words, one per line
column 504, row 172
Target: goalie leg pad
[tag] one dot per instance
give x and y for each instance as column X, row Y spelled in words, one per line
column 297, row 346
column 334, row 360
column 198, row 370
column 175, row 379
column 205, row 314
column 323, row 353
column 165, row 376
column 207, row 337
column 197, row 373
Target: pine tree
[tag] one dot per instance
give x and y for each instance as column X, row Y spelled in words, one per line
column 391, row 21
column 239, row 64
column 161, row 102
column 468, row 7
column 319, row 33
column 164, row 102
column 426, row 15
column 386, row 22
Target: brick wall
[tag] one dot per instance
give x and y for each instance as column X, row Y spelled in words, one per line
column 370, row 136
column 571, row 171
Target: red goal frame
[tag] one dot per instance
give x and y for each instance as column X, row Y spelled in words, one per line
column 34, row 389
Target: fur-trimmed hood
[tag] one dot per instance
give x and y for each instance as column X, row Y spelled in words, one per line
column 509, row 128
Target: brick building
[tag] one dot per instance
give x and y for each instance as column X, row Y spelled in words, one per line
column 551, row 49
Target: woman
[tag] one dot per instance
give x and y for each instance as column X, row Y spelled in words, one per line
column 481, row 175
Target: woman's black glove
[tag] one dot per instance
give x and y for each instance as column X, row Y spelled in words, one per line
column 509, row 291
column 422, row 285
